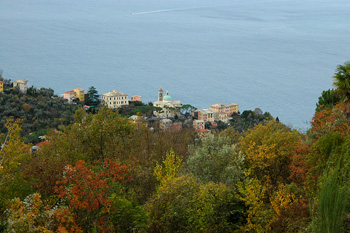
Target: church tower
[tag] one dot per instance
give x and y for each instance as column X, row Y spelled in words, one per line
column 160, row 94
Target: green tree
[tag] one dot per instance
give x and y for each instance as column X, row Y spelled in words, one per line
column 92, row 97
column 185, row 205
column 342, row 79
column 327, row 99
column 187, row 109
column 333, row 200
column 215, row 160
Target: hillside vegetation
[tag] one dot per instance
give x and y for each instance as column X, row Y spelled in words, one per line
column 105, row 173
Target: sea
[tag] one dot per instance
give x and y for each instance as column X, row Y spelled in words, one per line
column 276, row 55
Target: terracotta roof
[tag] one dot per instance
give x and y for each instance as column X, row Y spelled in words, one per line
column 114, row 93
column 69, row 91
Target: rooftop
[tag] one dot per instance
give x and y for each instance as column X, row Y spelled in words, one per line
column 72, row 91
column 22, row 81
column 114, row 93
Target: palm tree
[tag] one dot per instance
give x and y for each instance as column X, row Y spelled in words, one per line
column 342, row 83
column 342, row 79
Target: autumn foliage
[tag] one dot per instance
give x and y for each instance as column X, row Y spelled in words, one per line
column 105, row 173
column 88, row 191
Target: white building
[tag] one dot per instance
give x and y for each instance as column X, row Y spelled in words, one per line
column 22, row 84
column 115, row 99
column 169, row 108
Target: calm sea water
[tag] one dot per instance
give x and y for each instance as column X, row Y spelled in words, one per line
column 277, row 55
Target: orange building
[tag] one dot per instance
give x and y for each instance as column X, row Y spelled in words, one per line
column 1, row 86
column 136, row 98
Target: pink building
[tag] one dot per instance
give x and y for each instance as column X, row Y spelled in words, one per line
column 198, row 124
column 206, row 115
column 136, row 98
column 69, row 95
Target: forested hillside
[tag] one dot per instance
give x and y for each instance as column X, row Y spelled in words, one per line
column 40, row 109
column 106, row 173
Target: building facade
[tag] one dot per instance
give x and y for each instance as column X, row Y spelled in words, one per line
column 69, row 95
column 136, row 98
column 198, row 124
column 1, row 86
column 80, row 94
column 207, row 115
column 228, row 109
column 22, row 84
column 115, row 99
column 169, row 108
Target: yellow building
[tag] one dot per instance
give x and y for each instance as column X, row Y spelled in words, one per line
column 225, row 108
column 80, row 94
column 1, row 86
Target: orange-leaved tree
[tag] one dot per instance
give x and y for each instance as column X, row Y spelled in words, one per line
column 31, row 215
column 88, row 192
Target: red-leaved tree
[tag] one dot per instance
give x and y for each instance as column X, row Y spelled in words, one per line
column 88, row 192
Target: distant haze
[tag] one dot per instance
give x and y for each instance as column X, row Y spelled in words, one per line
column 277, row 55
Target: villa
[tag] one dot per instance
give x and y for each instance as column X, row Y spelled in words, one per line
column 22, row 84
column 114, row 99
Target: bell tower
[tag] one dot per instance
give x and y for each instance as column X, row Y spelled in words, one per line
column 160, row 94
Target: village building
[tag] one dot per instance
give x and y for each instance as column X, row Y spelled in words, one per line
column 70, row 96
column 198, row 124
column 207, row 115
column 228, row 109
column 22, row 84
column 1, row 86
column 169, row 108
column 216, row 112
column 136, row 98
column 114, row 99
column 76, row 93
column 80, row 94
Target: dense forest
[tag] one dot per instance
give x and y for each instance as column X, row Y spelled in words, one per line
column 39, row 109
column 106, row 173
